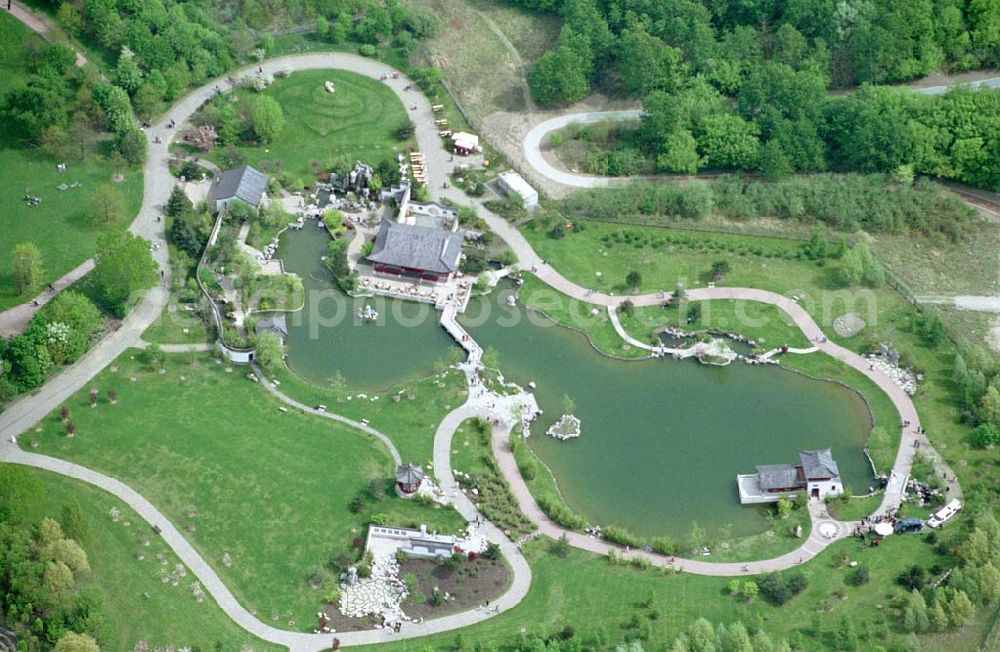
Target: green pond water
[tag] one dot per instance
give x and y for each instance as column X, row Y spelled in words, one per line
column 662, row 439
column 328, row 337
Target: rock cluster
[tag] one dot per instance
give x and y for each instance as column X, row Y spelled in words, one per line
column 902, row 377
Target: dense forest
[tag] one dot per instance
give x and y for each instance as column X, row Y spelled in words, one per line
column 47, row 602
column 731, row 84
column 162, row 47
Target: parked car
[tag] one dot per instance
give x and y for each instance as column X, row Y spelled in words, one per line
column 905, row 525
column 945, row 514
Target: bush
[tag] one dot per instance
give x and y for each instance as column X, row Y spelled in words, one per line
column 623, row 537
column 914, row 577
column 368, row 50
column 859, row 577
column 561, row 514
column 780, row 588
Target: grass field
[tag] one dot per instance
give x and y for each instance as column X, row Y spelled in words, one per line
column 605, row 604
column 579, row 254
column 358, row 121
column 214, row 453
column 138, row 604
column 476, row 63
column 58, row 225
column 410, row 423
column 531, row 33
column 176, row 325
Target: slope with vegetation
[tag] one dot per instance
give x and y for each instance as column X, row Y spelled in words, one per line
column 733, row 85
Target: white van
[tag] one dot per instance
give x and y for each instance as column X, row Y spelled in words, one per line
column 945, row 514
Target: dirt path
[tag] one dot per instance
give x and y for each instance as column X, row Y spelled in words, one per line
column 41, row 25
column 529, row 101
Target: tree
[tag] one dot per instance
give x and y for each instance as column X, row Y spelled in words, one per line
column 105, row 207
column 749, row 590
column 560, row 76
column 26, row 267
column 269, row 352
column 117, row 108
column 267, row 118
column 124, row 266
column 146, row 99
column 127, row 73
column 69, row 18
column 58, row 579
column 960, row 609
column 76, row 310
column 775, row 165
column 991, row 405
column 784, row 507
column 205, row 137
column 178, row 203
column 729, row 141
column 73, row 642
column 937, row 617
column 985, row 435
column 719, row 269
column 35, row 104
column 913, row 577
column 845, row 637
column 646, row 62
column 680, row 153
column 132, row 145
column 633, row 280
column 81, row 134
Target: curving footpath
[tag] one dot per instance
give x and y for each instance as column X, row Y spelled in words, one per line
column 28, row 410
column 158, row 183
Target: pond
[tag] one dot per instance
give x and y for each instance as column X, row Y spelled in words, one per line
column 328, row 337
column 663, row 440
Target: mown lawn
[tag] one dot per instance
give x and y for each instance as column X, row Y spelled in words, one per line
column 358, row 121
column 57, row 225
column 410, row 423
column 139, row 606
column 605, row 603
column 176, row 325
column 213, row 451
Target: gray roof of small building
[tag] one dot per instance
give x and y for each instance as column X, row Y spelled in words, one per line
column 417, row 247
column 777, row 476
column 819, row 464
column 409, row 474
column 243, row 183
column 275, row 323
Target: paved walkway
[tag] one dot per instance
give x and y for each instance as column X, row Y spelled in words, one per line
column 30, row 409
column 363, row 427
column 14, row 320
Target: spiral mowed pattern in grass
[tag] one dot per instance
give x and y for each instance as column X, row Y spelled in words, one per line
column 357, row 120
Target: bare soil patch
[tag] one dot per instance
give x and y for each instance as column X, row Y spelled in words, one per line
column 470, row 585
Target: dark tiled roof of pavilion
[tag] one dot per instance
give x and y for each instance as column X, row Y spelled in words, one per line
column 417, row 247
column 243, row 183
column 409, row 474
column 778, row 476
column 819, row 464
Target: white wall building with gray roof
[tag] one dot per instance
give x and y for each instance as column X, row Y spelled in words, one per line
column 244, row 184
